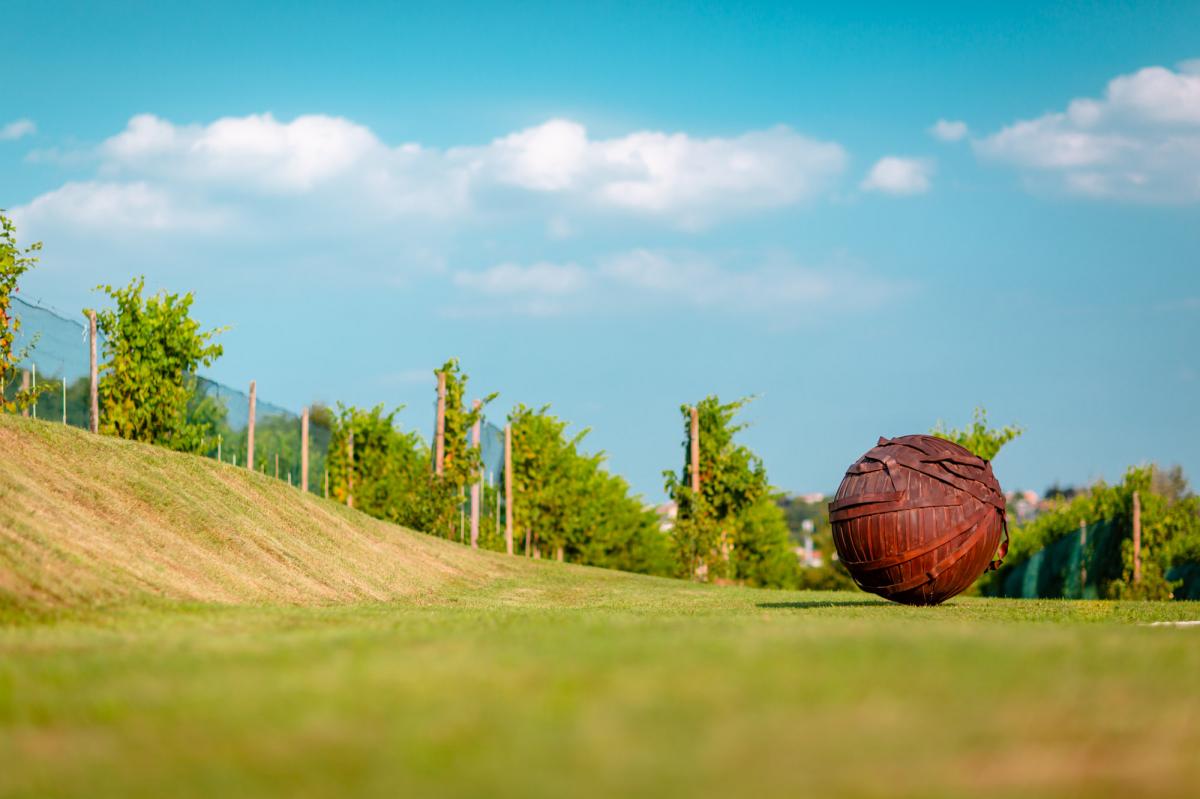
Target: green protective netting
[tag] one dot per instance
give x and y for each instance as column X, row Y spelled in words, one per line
column 277, row 434
column 1073, row 567
column 55, row 349
column 491, row 511
column 52, row 348
column 491, row 450
column 1189, row 574
column 56, row 345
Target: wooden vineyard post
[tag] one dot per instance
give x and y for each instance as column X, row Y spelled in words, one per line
column 350, row 470
column 476, row 484
column 1137, row 538
column 304, row 451
column 94, row 392
column 218, row 449
column 64, row 388
column 1082, row 557
column 439, row 428
column 276, row 465
column 694, row 442
column 24, row 388
column 250, row 428
column 508, row 490
column 326, row 484
column 33, row 372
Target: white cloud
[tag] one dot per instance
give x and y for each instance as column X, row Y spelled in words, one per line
column 705, row 283
column 772, row 285
column 333, row 166
column 321, row 193
column 1140, row 142
column 103, row 207
column 549, row 157
column 17, row 129
column 674, row 173
column 539, row 289
column 1153, row 94
column 542, row 278
column 689, row 181
column 949, row 130
column 899, row 176
column 256, row 152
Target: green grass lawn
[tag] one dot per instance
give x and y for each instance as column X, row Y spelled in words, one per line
column 174, row 627
column 606, row 685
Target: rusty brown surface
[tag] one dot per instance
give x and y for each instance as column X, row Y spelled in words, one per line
column 918, row 519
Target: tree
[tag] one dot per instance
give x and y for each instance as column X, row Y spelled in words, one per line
column 762, row 552
column 1170, row 521
column 14, row 262
column 152, row 350
column 570, row 505
column 732, row 481
column 461, row 462
column 388, row 474
column 831, row 575
column 979, row 438
column 540, row 463
column 1170, row 534
column 567, row 505
column 612, row 528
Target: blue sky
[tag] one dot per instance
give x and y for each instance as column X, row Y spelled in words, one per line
column 618, row 208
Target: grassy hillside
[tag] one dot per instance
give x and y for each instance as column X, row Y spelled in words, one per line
column 179, row 628
column 87, row 520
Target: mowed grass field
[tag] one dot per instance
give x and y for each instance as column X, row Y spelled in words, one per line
column 173, row 627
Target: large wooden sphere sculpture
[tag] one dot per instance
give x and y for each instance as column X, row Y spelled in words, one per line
column 917, row 519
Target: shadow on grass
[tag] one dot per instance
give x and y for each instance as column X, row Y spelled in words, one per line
column 827, row 603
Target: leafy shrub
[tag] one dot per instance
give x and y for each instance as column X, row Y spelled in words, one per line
column 148, row 375
column 565, row 502
column 1170, row 534
column 979, row 438
column 731, row 528
column 389, row 475
column 461, row 462
column 14, row 262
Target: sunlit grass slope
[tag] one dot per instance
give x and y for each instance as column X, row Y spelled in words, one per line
column 179, row 628
column 88, row 520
